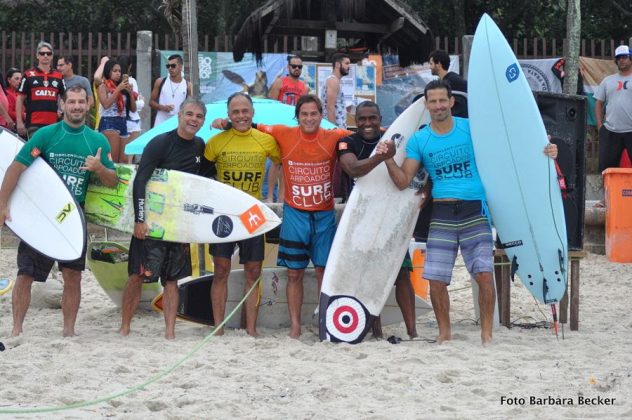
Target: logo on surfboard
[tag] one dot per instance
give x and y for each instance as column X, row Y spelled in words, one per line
column 512, row 72
column 222, row 226
column 65, row 211
column 252, row 218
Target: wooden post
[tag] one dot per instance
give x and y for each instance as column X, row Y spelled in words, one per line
column 143, row 71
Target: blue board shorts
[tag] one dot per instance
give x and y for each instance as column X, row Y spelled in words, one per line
column 305, row 235
column 457, row 224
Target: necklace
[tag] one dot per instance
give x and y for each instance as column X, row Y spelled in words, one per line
column 174, row 90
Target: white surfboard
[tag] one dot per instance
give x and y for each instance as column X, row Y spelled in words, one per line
column 371, row 241
column 44, row 214
column 181, row 207
column 520, row 182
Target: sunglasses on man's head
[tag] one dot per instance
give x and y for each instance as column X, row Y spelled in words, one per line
column 296, row 66
column 171, row 66
column 47, row 53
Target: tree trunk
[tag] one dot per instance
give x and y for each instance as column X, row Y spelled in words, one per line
column 573, row 34
column 190, row 44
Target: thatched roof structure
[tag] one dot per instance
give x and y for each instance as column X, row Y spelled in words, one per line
column 377, row 25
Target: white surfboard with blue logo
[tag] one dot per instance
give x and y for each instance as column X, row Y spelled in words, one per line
column 520, row 182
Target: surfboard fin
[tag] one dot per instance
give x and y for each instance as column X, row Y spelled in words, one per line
column 555, row 325
column 514, row 267
column 561, row 258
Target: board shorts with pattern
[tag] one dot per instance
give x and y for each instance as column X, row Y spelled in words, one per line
column 305, row 235
column 33, row 264
column 250, row 250
column 153, row 260
column 457, row 224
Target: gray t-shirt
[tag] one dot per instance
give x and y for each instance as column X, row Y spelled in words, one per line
column 616, row 91
column 81, row 81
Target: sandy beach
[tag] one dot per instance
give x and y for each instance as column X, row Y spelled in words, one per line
column 526, row 373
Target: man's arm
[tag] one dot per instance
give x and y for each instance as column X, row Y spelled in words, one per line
column 155, row 94
column 19, row 111
column 402, row 176
column 9, row 182
column 189, row 89
column 273, row 93
column 98, row 73
column 333, row 86
column 357, row 168
column 149, row 161
column 273, row 179
column 599, row 113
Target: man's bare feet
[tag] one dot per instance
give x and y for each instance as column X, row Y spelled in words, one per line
column 69, row 333
column 295, row 332
column 170, row 335
column 16, row 332
column 219, row 331
column 124, row 331
column 486, row 340
column 442, row 338
column 254, row 333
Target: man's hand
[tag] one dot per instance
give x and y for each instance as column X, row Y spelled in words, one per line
column 93, row 163
column 4, row 214
column 551, row 150
column 140, row 230
column 385, row 149
column 21, row 129
column 424, row 192
column 220, row 123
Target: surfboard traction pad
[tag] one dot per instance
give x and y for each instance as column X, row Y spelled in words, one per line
column 343, row 319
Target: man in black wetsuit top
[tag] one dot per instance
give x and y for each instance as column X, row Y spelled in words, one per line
column 151, row 259
column 354, row 154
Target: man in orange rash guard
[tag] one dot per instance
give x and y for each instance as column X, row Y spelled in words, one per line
column 308, row 156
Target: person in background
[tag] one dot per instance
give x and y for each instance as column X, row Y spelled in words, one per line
column 133, row 119
column 169, row 92
column 116, row 101
column 65, row 65
column 14, row 77
column 39, row 94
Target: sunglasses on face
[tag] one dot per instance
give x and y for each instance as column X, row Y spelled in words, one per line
column 171, row 66
column 296, row 66
column 46, row 53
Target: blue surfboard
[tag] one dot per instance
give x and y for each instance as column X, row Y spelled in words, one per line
column 520, row 182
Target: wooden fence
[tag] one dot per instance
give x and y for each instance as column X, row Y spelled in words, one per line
column 17, row 49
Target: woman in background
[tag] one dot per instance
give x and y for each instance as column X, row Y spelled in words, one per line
column 133, row 119
column 116, row 101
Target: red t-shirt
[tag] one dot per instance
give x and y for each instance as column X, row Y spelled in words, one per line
column 42, row 91
column 308, row 164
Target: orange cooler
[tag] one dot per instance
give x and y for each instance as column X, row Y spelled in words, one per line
column 618, row 190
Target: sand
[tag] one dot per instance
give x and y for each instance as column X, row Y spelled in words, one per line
column 526, row 373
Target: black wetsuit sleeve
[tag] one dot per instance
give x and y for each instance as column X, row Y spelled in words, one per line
column 208, row 168
column 150, row 160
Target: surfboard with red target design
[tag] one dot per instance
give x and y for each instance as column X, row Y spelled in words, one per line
column 371, row 241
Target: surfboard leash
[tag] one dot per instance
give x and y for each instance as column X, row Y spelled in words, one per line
column 141, row 386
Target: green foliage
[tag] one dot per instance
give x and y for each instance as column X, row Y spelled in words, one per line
column 517, row 19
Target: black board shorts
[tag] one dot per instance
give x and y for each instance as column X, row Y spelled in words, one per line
column 153, row 260
column 33, row 264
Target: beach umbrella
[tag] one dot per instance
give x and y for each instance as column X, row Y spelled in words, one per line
column 267, row 111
